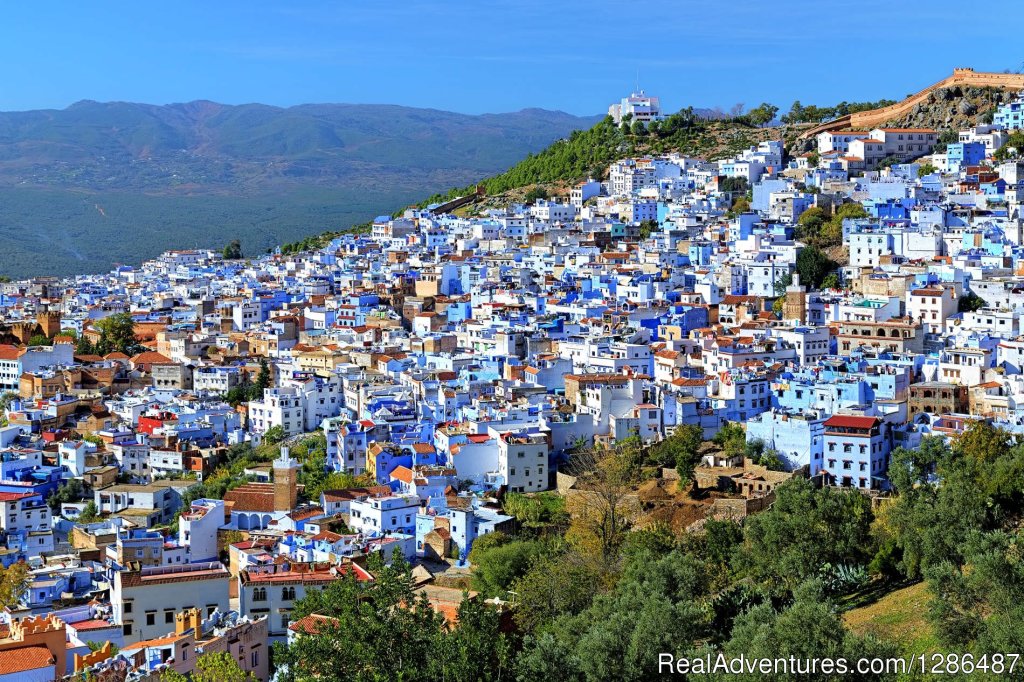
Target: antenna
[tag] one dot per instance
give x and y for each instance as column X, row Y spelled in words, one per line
column 637, row 91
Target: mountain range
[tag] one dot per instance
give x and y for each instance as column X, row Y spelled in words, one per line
column 96, row 184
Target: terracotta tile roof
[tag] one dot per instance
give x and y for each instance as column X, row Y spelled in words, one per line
column 9, row 352
column 25, row 658
column 258, row 497
column 311, row 624
column 403, row 474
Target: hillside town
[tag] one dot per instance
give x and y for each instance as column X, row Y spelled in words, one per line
column 191, row 446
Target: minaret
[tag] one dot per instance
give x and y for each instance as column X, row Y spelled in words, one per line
column 795, row 304
column 286, row 478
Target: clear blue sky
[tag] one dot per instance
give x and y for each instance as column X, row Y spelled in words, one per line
column 493, row 55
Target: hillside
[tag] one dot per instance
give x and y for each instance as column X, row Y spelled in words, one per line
column 589, row 152
column 99, row 183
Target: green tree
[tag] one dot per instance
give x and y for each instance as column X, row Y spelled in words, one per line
column 213, row 666
column 970, row 302
column 765, row 113
column 554, row 585
column 648, row 227
column 809, row 628
column 6, row 398
column 83, row 346
column 497, row 567
column 384, row 630
column 978, row 606
column 233, row 250
column 806, row 528
column 70, row 491
column 680, row 450
column 831, row 281
column 262, row 381
column 1013, row 147
column 274, row 435
column 536, row 193
column 40, row 340
column 813, row 266
column 925, row 169
column 117, row 333
column 90, row 513
column 14, row 580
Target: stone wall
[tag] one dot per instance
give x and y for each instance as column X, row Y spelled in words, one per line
column 877, row 117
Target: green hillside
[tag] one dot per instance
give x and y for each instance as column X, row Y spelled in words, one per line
column 202, row 173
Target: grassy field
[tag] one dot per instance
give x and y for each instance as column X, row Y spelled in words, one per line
column 898, row 616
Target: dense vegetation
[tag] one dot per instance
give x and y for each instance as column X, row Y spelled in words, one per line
column 98, row 184
column 598, row 596
column 798, row 113
column 589, row 152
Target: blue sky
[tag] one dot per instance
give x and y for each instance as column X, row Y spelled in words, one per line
column 491, row 55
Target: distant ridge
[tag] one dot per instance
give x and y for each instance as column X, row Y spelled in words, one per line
column 203, row 173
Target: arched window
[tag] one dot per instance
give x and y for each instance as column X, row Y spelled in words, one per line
column 288, row 593
column 259, row 594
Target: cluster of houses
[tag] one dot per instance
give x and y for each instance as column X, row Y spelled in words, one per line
column 450, row 360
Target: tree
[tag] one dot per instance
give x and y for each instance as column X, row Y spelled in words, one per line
column 680, row 450
column 498, row 566
column 117, row 333
column 384, row 630
column 813, row 266
column 739, row 205
column 831, row 281
column 71, row 491
column 14, row 580
column 980, row 608
column 39, row 340
column 760, row 115
column 553, row 586
column 274, row 435
column 806, row 528
column 83, row 346
column 90, row 513
column 732, row 439
column 809, row 628
column 6, row 398
column 648, row 227
column 233, row 251
column 1013, row 147
column 603, row 507
column 262, row 381
column 213, row 666
column 536, row 193
column 970, row 302
column 925, row 169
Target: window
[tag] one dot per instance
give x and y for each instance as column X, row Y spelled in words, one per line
column 169, row 616
column 151, row 618
column 288, row 593
column 127, row 607
column 259, row 594
column 127, row 629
